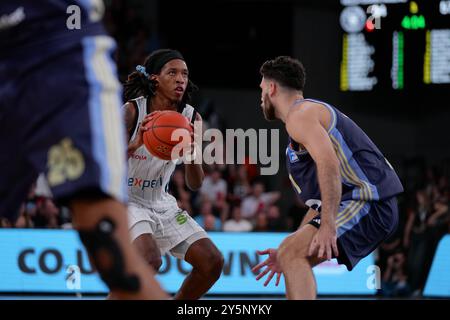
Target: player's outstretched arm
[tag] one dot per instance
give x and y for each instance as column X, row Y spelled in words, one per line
column 304, row 126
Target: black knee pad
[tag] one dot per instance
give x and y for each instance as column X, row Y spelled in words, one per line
column 108, row 257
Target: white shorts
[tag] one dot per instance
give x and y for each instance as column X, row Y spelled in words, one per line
column 173, row 229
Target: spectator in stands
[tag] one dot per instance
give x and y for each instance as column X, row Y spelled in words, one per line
column 261, row 222
column 443, row 183
column 214, row 188
column 416, row 240
column 394, row 282
column 275, row 221
column 237, row 223
column 257, row 201
column 239, row 183
column 206, row 219
column 252, row 169
column 5, row 223
column 295, row 214
column 437, row 225
column 29, row 208
column 47, row 215
column 430, row 179
column 24, row 219
column 439, row 215
column 391, row 259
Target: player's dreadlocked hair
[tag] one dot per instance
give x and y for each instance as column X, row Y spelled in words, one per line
column 289, row 72
column 138, row 82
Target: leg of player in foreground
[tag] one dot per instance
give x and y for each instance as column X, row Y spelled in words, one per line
column 60, row 114
column 103, row 228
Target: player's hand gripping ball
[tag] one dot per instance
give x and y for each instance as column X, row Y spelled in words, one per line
column 167, row 130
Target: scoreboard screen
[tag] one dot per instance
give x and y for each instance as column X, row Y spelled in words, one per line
column 393, row 46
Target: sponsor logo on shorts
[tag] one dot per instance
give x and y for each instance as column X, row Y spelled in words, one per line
column 181, row 218
column 65, row 163
column 143, row 183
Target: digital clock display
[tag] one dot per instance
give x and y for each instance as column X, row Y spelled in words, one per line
column 395, row 45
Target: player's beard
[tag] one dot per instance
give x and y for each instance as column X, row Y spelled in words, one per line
column 268, row 108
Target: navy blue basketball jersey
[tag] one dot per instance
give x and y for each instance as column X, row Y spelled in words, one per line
column 47, row 25
column 365, row 173
column 58, row 84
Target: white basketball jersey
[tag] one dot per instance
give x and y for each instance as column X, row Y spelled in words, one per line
column 148, row 176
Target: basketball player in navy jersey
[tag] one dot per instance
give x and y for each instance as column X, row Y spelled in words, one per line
column 337, row 171
column 157, row 225
column 60, row 114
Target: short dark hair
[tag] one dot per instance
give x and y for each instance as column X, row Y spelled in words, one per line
column 287, row 71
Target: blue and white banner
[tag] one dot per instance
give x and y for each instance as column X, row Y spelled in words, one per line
column 54, row 261
column 438, row 282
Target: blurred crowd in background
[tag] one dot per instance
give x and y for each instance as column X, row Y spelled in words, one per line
column 236, row 198
column 406, row 257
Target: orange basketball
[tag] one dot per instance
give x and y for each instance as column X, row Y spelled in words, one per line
column 158, row 139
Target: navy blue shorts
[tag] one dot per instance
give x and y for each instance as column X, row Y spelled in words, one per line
column 60, row 114
column 361, row 227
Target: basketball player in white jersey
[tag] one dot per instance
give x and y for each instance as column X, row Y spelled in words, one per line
column 157, row 224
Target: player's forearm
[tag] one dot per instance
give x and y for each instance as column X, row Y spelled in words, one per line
column 194, row 176
column 331, row 191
